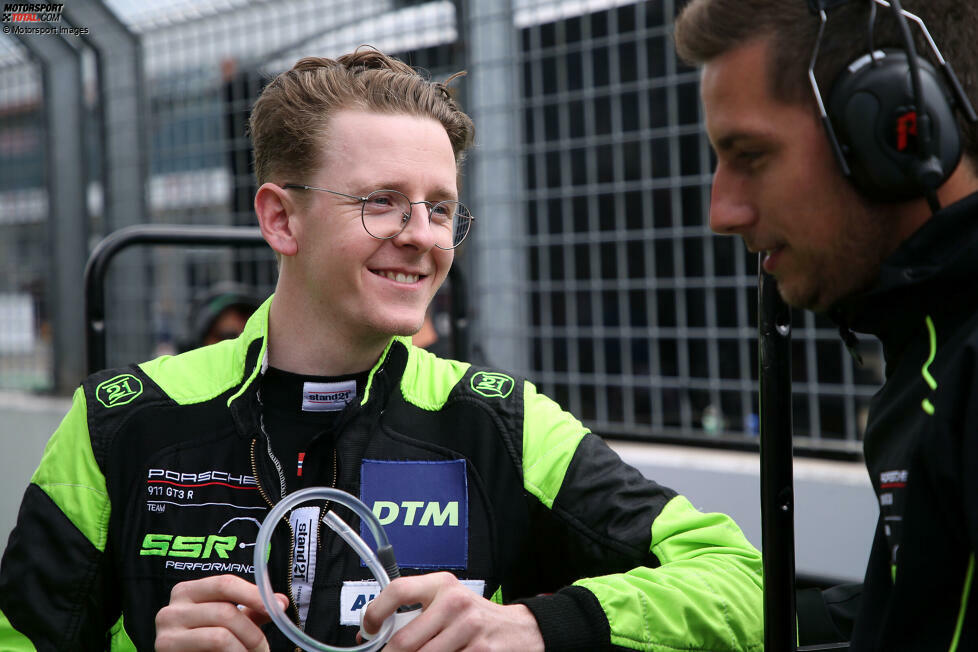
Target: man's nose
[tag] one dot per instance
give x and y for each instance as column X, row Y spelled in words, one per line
column 731, row 208
column 417, row 230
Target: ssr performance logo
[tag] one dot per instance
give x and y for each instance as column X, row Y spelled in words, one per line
column 226, row 551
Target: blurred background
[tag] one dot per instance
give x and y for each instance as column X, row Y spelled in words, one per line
column 591, row 268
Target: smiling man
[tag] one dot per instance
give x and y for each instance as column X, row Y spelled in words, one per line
column 515, row 528
column 868, row 211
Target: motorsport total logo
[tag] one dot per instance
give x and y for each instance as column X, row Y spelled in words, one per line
column 32, row 12
column 32, row 18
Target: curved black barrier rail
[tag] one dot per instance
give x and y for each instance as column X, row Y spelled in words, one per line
column 777, row 485
column 166, row 234
column 143, row 234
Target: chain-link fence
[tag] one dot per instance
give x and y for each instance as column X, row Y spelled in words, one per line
column 592, row 269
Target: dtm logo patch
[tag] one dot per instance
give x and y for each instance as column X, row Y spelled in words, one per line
column 492, row 385
column 424, row 508
column 119, row 390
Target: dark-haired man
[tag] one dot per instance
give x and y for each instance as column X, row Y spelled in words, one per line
column 892, row 250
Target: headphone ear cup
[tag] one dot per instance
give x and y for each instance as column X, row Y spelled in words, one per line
column 872, row 109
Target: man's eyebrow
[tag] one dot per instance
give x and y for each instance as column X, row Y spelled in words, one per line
column 731, row 140
column 439, row 193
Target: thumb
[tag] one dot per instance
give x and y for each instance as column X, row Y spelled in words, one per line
column 283, row 600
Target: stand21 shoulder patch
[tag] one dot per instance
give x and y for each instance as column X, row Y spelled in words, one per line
column 424, row 508
column 118, row 390
column 491, row 384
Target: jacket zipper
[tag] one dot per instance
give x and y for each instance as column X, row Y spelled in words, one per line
column 326, row 504
column 261, row 490
column 282, row 490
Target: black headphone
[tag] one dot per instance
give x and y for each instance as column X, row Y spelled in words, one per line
column 890, row 118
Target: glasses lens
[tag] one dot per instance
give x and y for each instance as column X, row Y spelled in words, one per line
column 385, row 212
column 447, row 218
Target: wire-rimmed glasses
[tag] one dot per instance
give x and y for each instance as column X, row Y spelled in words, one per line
column 385, row 213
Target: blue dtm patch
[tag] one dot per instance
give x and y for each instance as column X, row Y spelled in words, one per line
column 424, row 508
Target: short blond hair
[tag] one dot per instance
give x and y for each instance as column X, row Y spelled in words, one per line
column 289, row 121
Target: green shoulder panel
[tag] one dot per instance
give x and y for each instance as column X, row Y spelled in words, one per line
column 202, row 374
column 706, row 595
column 428, row 380
column 70, row 475
column 550, row 438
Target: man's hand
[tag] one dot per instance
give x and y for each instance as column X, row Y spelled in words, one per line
column 204, row 615
column 454, row 618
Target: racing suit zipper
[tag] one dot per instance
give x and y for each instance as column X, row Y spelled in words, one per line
column 319, row 522
column 261, row 490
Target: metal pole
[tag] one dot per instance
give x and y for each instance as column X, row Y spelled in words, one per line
column 124, row 152
column 495, row 183
column 66, row 186
column 777, row 495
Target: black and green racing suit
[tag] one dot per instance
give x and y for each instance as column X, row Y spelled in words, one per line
column 162, row 473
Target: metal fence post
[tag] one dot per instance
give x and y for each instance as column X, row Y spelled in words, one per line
column 67, row 206
column 124, row 162
column 500, row 274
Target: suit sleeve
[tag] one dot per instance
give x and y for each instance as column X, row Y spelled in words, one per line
column 652, row 572
column 52, row 569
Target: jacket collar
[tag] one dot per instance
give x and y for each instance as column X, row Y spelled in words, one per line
column 931, row 272
column 251, row 348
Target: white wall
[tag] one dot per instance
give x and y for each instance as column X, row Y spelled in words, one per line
column 835, row 508
column 26, row 423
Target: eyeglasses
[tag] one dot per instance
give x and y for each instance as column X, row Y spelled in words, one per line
column 385, row 213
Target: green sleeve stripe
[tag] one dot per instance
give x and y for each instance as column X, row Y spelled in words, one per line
column 10, row 639
column 965, row 594
column 706, row 595
column 120, row 639
column 428, row 380
column 550, row 439
column 70, row 476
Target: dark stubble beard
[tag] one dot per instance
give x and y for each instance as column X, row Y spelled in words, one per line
column 853, row 265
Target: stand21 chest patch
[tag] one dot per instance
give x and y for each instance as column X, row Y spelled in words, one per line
column 424, row 508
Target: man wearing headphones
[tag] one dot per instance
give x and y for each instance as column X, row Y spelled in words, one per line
column 847, row 154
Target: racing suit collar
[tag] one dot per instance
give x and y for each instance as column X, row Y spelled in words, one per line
column 252, row 351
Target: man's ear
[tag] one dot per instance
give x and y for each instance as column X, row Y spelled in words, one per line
column 275, row 210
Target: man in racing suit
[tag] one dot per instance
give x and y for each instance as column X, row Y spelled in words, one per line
column 514, row 527
column 878, row 256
